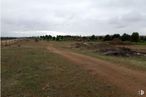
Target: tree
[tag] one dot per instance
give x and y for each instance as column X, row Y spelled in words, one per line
column 54, row 38
column 100, row 37
column 116, row 36
column 125, row 37
column 58, row 38
column 107, row 38
column 135, row 37
column 93, row 38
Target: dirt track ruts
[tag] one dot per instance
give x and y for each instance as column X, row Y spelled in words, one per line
column 126, row 79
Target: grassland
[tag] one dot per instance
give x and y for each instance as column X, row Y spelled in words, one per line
column 30, row 70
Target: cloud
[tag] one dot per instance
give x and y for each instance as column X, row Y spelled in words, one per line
column 78, row 17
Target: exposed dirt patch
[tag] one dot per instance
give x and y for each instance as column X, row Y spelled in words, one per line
column 126, row 79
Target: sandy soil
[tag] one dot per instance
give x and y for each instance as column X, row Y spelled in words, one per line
column 124, row 78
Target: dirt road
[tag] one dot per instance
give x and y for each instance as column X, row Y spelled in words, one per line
column 119, row 76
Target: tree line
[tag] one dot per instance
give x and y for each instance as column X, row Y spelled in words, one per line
column 134, row 37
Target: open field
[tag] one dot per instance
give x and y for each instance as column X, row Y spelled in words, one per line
column 53, row 69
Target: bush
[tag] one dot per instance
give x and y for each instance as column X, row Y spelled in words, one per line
column 135, row 37
column 125, row 37
column 107, row 38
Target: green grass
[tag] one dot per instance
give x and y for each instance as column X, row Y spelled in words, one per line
column 29, row 71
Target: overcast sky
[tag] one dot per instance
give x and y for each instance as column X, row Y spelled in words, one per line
column 72, row 17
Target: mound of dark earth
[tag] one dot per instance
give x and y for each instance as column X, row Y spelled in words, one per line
column 120, row 51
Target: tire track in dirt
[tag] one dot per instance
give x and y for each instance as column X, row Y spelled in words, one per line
column 122, row 77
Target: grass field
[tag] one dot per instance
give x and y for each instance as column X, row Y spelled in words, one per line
column 32, row 71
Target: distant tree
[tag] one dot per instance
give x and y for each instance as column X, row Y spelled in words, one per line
column 46, row 37
column 116, row 36
column 57, row 38
column 135, row 37
column 107, row 38
column 100, row 37
column 53, row 38
column 49, row 37
column 125, row 37
column 93, row 38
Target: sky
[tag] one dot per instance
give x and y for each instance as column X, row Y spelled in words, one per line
column 72, row 17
